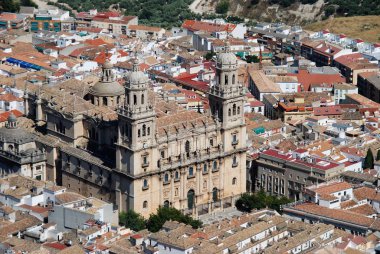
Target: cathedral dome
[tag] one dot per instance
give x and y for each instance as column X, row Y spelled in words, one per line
column 226, row 58
column 136, row 76
column 103, row 89
column 107, row 86
column 107, row 65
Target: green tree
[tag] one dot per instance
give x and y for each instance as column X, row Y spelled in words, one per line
column 132, row 220
column 368, row 161
column 209, row 55
column 9, row 6
column 222, row 7
column 163, row 214
column 252, row 59
column 378, row 155
column 28, row 3
column 248, row 202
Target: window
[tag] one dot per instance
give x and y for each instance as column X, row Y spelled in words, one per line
column 234, row 181
column 177, row 175
column 144, row 130
column 234, row 161
column 233, row 79
column 138, row 133
column 145, row 183
column 211, row 142
column 205, row 168
column 238, row 110
column 60, row 128
column 145, row 204
column 191, row 171
column 229, row 112
column 148, row 131
column 215, row 165
column 162, row 154
column 176, row 192
column 187, row 148
column 166, row 178
column 234, row 109
column 134, row 99
column 145, row 160
column 142, row 99
column 226, row 79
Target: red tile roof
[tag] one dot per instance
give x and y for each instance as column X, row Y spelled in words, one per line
column 90, row 29
column 58, row 246
column 9, row 97
column 327, row 111
column 288, row 157
column 305, row 78
column 195, row 25
column 341, row 215
column 4, row 116
column 95, row 42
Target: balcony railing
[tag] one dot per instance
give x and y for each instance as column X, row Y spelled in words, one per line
column 24, row 158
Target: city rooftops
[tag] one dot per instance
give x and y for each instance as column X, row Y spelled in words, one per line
column 330, row 187
column 309, row 162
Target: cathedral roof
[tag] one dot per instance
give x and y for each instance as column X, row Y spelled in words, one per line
column 226, row 58
column 107, row 86
column 136, row 77
column 16, row 135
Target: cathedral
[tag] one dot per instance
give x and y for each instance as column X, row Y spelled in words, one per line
column 123, row 144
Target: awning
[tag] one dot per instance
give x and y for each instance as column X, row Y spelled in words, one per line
column 23, row 64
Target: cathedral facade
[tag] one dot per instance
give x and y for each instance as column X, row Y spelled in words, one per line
column 141, row 152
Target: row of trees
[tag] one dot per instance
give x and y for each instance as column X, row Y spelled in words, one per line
column 14, row 6
column 247, row 202
column 154, row 223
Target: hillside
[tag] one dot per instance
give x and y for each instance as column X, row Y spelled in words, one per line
column 364, row 27
column 290, row 11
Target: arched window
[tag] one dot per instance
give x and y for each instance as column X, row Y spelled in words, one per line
column 238, row 110
column 148, row 131
column 127, row 98
column 229, row 112
column 105, row 101
column 145, row 204
column 234, row 109
column 166, row 203
column 205, row 184
column 226, row 79
column 191, row 171
column 190, row 199
column 233, row 79
column 234, row 181
column 215, row 165
column 176, row 175
column 234, row 161
column 205, row 168
column 166, row 178
column 142, row 99
column 215, row 194
column 143, row 130
column 187, row 148
column 145, row 183
column 138, row 133
column 134, row 99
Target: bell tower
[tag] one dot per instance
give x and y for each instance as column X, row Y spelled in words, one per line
column 227, row 96
column 136, row 119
